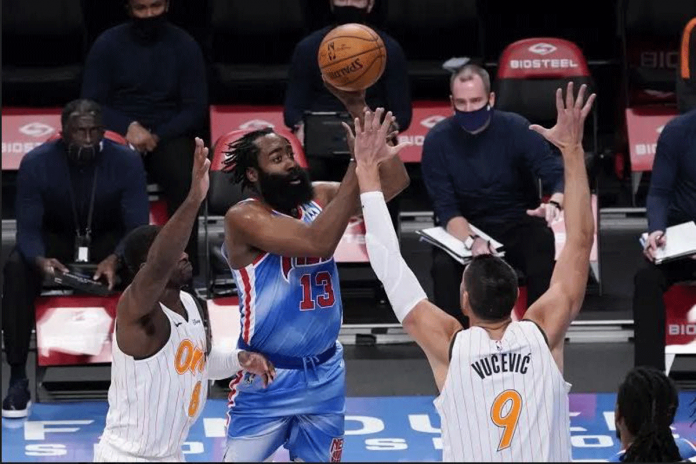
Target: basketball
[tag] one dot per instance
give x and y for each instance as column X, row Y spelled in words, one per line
column 352, row 57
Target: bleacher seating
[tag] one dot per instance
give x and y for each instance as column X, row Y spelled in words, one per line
column 413, row 23
column 250, row 48
column 44, row 45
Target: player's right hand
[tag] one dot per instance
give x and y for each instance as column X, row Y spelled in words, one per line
column 200, row 176
column 656, row 240
column 257, row 364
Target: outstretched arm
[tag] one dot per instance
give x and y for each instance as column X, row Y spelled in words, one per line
column 429, row 326
column 143, row 293
column 559, row 306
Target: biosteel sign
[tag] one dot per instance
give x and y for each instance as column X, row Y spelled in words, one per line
column 547, row 57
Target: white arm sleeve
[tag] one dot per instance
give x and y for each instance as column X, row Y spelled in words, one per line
column 222, row 365
column 401, row 285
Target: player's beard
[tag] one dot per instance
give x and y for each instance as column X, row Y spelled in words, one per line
column 281, row 194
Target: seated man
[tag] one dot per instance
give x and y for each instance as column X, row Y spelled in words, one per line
column 671, row 200
column 480, row 166
column 306, row 91
column 77, row 197
column 149, row 76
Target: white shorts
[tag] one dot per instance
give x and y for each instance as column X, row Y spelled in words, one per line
column 105, row 452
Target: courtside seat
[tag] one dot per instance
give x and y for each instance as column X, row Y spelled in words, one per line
column 650, row 32
column 530, row 70
column 680, row 322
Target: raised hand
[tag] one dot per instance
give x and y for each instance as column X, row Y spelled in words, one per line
column 370, row 141
column 570, row 120
column 257, row 364
column 200, row 177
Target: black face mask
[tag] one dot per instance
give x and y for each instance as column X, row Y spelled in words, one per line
column 350, row 14
column 281, row 194
column 149, row 29
column 82, row 156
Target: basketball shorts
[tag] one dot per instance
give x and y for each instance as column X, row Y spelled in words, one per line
column 303, row 409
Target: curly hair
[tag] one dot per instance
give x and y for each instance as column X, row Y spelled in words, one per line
column 243, row 154
column 647, row 401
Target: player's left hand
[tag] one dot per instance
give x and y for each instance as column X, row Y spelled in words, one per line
column 257, row 364
column 548, row 211
column 353, row 100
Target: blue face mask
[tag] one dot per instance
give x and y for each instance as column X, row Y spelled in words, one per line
column 472, row 121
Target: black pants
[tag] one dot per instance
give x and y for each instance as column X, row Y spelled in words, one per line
column 22, row 283
column 529, row 247
column 170, row 167
column 651, row 283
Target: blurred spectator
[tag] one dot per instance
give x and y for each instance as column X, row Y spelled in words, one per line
column 306, row 91
column 480, row 166
column 149, row 76
column 80, row 190
column 671, row 200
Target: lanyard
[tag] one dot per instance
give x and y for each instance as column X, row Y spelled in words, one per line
column 88, row 226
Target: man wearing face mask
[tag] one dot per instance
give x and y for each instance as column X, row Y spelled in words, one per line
column 306, row 91
column 149, row 76
column 77, row 197
column 481, row 166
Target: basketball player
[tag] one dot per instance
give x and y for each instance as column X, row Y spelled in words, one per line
column 645, row 407
column 502, row 392
column 280, row 248
column 162, row 356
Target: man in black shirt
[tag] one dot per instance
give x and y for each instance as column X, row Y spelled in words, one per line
column 81, row 188
column 149, row 76
column 481, row 166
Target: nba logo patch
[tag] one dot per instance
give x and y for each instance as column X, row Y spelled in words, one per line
column 336, row 449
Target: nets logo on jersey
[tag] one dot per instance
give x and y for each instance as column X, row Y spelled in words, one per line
column 288, row 264
column 336, row 449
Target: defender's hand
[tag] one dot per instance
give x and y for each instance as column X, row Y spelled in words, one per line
column 257, row 364
column 200, row 176
column 570, row 119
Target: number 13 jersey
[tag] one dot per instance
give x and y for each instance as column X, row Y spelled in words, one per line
column 290, row 305
column 504, row 400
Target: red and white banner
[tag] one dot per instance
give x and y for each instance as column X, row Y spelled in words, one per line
column 351, row 248
column 24, row 129
column 644, row 125
column 226, row 118
column 74, row 329
column 680, row 305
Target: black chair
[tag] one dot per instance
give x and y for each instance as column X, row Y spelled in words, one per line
column 44, row 45
column 431, row 32
column 251, row 44
column 686, row 74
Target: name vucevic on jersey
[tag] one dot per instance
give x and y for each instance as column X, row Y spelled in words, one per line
column 502, row 362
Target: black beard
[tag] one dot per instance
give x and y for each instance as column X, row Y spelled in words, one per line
column 82, row 156
column 283, row 196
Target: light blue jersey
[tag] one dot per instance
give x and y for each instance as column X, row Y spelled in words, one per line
column 291, row 312
column 290, row 306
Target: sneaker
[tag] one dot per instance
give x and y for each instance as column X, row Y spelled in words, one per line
column 18, row 400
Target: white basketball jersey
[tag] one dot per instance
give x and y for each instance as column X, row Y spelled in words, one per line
column 504, row 400
column 154, row 401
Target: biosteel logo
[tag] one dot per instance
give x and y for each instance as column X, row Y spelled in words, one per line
column 36, row 129
column 542, row 48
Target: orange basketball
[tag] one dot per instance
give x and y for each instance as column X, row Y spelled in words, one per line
column 352, row 57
